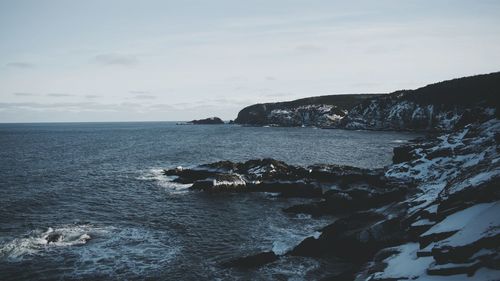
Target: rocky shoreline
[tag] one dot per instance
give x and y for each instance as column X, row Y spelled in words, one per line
column 432, row 214
column 435, row 209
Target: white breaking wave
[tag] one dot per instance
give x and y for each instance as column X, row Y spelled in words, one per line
column 156, row 175
column 112, row 251
column 38, row 240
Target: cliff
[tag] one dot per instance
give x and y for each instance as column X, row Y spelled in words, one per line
column 436, row 107
column 322, row 111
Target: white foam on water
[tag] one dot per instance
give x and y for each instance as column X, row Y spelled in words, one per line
column 285, row 239
column 38, row 241
column 156, row 175
column 105, row 251
column 303, row 216
column 129, row 251
column 281, row 247
column 289, row 268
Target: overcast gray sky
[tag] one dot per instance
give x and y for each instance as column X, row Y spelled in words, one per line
column 121, row 60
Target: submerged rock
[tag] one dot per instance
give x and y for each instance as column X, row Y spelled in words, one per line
column 53, row 237
column 253, row 260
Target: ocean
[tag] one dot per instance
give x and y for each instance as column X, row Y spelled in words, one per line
column 101, row 186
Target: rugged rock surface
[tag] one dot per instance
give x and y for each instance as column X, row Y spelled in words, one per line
column 452, row 221
column 253, row 260
column 338, row 186
column 323, row 111
column 207, row 121
column 436, row 107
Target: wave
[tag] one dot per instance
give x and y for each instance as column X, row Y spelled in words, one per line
column 289, row 240
column 95, row 251
column 126, row 253
column 39, row 240
column 156, row 175
column 285, row 238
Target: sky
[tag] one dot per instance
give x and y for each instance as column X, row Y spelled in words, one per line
column 148, row 60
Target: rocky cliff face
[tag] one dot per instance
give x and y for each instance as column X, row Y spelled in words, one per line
column 436, row 107
column 323, row 111
column 452, row 220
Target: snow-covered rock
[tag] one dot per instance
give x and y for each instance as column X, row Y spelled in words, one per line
column 454, row 214
column 441, row 106
column 318, row 115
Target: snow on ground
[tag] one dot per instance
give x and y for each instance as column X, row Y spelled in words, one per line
column 405, row 264
column 477, row 222
column 460, row 219
column 457, row 166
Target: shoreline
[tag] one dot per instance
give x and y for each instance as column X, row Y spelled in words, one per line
column 379, row 209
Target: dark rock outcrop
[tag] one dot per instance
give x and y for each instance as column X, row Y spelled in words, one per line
column 452, row 221
column 269, row 175
column 207, row 121
column 323, row 111
column 253, row 260
column 356, row 237
column 53, row 237
column 442, row 106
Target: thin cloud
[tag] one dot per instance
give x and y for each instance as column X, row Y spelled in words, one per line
column 273, row 95
column 72, row 106
column 24, row 94
column 116, row 59
column 59, row 95
column 23, row 65
column 309, row 48
column 145, row 97
column 91, row 96
column 139, row 92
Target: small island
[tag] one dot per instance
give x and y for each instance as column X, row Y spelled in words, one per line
column 207, row 121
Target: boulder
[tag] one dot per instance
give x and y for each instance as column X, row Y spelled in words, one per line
column 356, row 238
column 53, row 237
column 403, row 153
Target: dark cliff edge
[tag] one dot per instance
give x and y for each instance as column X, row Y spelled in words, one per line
column 435, row 107
column 307, row 111
column 207, row 121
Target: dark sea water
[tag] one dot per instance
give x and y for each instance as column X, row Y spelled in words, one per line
column 103, row 181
